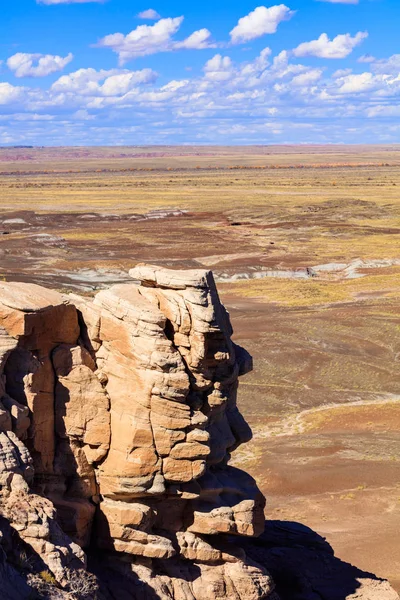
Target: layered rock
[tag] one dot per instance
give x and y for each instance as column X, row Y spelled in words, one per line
column 118, row 416
column 119, row 413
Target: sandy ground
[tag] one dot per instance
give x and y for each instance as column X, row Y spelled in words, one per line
column 325, row 450
column 304, row 245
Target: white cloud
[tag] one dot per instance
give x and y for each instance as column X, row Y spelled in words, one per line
column 383, row 111
column 387, row 65
column 122, row 83
column 83, row 115
column 9, row 93
column 89, row 82
column 144, row 40
column 34, row 117
column 248, row 101
column 82, row 81
column 341, row 73
column 260, row 63
column 199, row 40
column 260, row 21
column 356, row 83
column 37, row 65
column 175, row 85
column 259, row 75
column 281, row 68
column 218, row 68
column 150, row 14
column 307, row 78
column 366, row 58
column 49, row 2
column 339, row 47
column 150, row 39
column 377, row 85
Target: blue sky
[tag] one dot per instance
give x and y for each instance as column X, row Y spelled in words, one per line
column 76, row 72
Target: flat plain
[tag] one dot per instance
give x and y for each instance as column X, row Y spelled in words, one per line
column 304, row 243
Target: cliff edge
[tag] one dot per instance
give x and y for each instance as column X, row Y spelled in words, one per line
column 118, row 416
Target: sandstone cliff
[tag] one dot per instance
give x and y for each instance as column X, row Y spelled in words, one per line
column 118, row 415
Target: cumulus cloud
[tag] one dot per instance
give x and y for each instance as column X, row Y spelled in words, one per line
column 116, row 85
column 144, row 40
column 150, row 14
column 9, row 93
column 260, row 63
column 151, row 39
column 198, row 40
column 37, row 65
column 389, row 65
column 307, row 78
column 218, row 68
column 366, row 58
column 373, row 85
column 256, row 79
column 259, row 100
column 260, row 21
column 281, row 68
column 341, row 73
column 356, row 83
column 339, row 47
column 89, row 82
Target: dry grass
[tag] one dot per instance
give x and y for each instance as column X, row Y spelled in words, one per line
column 373, row 417
column 311, row 292
column 315, row 342
column 312, row 215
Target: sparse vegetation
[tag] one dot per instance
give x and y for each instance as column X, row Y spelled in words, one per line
column 311, row 292
column 48, row 577
column 316, row 342
column 82, row 584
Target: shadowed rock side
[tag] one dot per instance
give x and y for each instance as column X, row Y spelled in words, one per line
column 117, row 419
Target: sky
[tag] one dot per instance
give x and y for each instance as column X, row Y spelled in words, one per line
column 133, row 72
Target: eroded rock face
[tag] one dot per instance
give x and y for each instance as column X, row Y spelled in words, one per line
column 117, row 419
column 120, row 412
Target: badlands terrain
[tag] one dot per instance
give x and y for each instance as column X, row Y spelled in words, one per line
column 304, row 245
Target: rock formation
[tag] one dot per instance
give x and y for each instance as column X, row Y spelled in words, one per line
column 118, row 415
column 117, row 419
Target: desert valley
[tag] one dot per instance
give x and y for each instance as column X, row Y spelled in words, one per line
column 303, row 242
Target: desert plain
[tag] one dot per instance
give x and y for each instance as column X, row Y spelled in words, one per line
column 304, row 245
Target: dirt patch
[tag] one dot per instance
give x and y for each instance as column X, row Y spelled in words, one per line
column 326, row 348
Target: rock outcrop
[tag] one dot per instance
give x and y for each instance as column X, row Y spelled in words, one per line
column 118, row 416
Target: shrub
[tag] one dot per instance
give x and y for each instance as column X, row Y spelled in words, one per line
column 47, row 577
column 82, row 584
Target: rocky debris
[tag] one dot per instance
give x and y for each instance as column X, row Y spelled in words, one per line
column 330, row 271
column 30, row 515
column 92, row 279
column 118, row 416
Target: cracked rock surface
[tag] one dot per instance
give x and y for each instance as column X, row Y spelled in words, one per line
column 118, row 416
